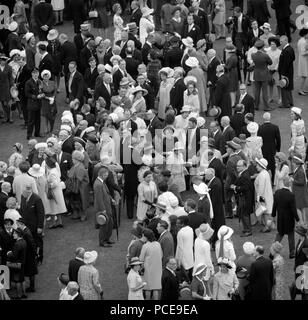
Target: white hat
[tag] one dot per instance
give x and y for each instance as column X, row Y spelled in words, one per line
column 167, row 70
column 66, row 117
column 36, row 171
column 296, row 110
column 204, row 231
column 192, row 62
column 52, row 34
column 90, row 129
column 52, row 140
column 249, row 248
column 266, row 25
column 41, row 145
column 139, row 88
column 188, row 42
column 262, row 162
column 200, row 121
column 66, row 128
column 202, row 188
column 13, row 26
column 173, row 200
column 186, row 108
column 146, row 11
column 190, row 79
column 66, row 112
column 98, row 40
column 89, row 257
column 28, row 36
column 108, row 68
column 200, row 268
column 252, row 127
column 225, row 231
column 14, row 52
column 46, row 72
column 147, row 159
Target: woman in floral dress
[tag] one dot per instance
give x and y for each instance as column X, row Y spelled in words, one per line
column 278, row 264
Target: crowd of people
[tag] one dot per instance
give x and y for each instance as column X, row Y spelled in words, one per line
column 150, row 114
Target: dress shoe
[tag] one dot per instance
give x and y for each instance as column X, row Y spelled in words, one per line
column 291, row 256
column 110, row 242
column 106, row 245
column 60, row 225
column 30, row 289
column 229, row 217
column 39, row 136
column 54, row 226
column 245, row 234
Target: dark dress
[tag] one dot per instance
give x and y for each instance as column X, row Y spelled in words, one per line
column 6, row 82
column 54, row 49
column 18, row 255
column 49, row 110
column 6, row 244
column 232, row 71
column 101, row 22
column 30, row 263
column 300, row 188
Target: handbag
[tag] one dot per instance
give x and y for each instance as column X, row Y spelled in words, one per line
column 14, row 265
column 50, row 194
column 93, row 14
column 260, row 210
column 72, row 185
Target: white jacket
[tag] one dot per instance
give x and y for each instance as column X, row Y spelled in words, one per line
column 203, row 254
column 184, row 250
column 263, row 187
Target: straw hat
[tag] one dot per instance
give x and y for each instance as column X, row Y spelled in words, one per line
column 124, row 82
column 13, row 26
column 225, row 231
column 283, row 82
column 52, row 34
column 224, row 261
column 296, row 110
column 168, row 71
column 160, row 205
column 139, row 88
column 262, row 163
column 132, row 26
column 135, row 261
column 192, row 62
column 41, row 145
column 90, row 257
column 46, row 72
column 281, row 156
column 36, row 171
column 188, row 42
column 190, row 79
column 14, row 52
column 200, row 268
column 201, row 43
column 249, row 248
column 204, row 231
column 102, row 218
column 252, row 127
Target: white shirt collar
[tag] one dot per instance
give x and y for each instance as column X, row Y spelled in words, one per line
column 44, row 55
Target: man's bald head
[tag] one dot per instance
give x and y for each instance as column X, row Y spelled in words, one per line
column 267, row 117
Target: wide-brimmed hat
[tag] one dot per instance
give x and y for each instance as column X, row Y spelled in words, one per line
column 297, row 157
column 188, row 79
column 200, row 268
column 80, row 140
column 13, row 26
column 266, row 25
column 215, row 112
column 231, row 48
column 224, row 261
column 202, row 188
column 41, row 145
column 52, row 34
column 28, row 36
column 90, row 257
column 124, row 82
column 200, row 43
column 14, row 52
column 192, row 62
column 102, row 218
column 188, row 42
column 204, row 231
column 249, row 248
column 160, row 205
column 186, row 108
column 252, row 127
column 200, row 121
column 46, row 72
column 135, row 261
column 301, row 230
column 146, row 11
column 233, row 145
column 139, row 88
column 36, row 171
column 225, row 231
column 262, row 163
column 168, row 71
column 296, row 110
column 283, row 82
column 259, row 44
column 178, row 146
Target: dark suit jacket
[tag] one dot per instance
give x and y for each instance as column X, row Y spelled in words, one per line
column 245, row 27
column 261, row 61
column 73, row 269
column 145, row 51
column 176, row 94
column 43, row 14
column 261, row 279
column 195, row 219
column 6, row 243
column 68, row 145
column 47, row 64
column 284, row 205
column 108, row 56
column 65, row 165
column 258, row 10
column 155, row 125
column 101, row 91
column 78, row 12
column 300, row 256
column 211, row 70
column 251, row 36
column 170, row 286
column 270, row 134
column 219, row 168
column 90, row 78
column 150, row 97
column 68, row 53
column 226, row 136
column 285, row 66
column 132, row 67
column 217, row 139
column 32, row 212
column 167, row 246
column 31, row 92
column 173, row 57
column 195, row 33
column 12, row 42
column 117, row 77
column 245, row 190
column 204, row 208
column 3, row 208
column 85, row 55
column 78, row 297
column 136, row 16
column 22, row 77
column 221, row 96
column 282, row 9
column 237, row 121
column 248, row 102
column 202, row 22
column 77, row 87
column 195, row 142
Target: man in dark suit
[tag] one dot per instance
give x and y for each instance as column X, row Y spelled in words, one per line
column 165, row 240
column 109, row 52
column 195, row 218
column 285, row 69
column 211, row 73
column 254, row 33
column 64, row 160
column 283, row 14
column 32, row 93
column 154, row 124
column 75, row 84
column 261, row 62
column 131, row 63
column 246, row 99
column 200, row 18
column 193, row 136
column 75, row 264
column 104, row 90
column 177, row 91
column 4, row 195
column 146, row 84
column 136, row 12
column 221, row 97
column 81, row 38
column 261, row 277
column 215, row 133
column 216, row 193
column 90, row 77
column 85, row 54
column 68, row 53
column 237, row 121
column 192, row 30
column 270, row 134
column 169, row 281
column 147, row 47
column 44, row 19
column 244, row 189
column 78, row 12
column 103, row 207
column 285, row 209
column 13, row 41
column 257, row 9
column 227, row 134
column 215, row 163
column 174, row 55
column 46, row 62
column 123, row 43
